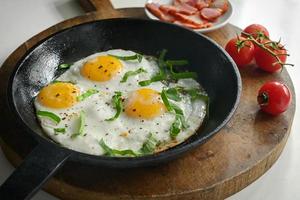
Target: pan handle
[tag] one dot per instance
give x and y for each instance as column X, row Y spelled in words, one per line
column 33, row 172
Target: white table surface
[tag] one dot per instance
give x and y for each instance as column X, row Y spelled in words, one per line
column 20, row 20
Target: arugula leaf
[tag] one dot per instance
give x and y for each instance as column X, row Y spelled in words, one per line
column 114, row 152
column 177, row 62
column 179, row 122
column 172, row 93
column 49, row 115
column 166, row 71
column 166, row 101
column 149, row 145
column 117, row 103
column 161, row 60
column 137, row 56
column 56, row 81
column 64, row 66
column 85, row 95
column 180, row 75
column 155, row 78
column 60, row 130
column 198, row 94
column 132, row 73
column 175, row 127
column 184, row 75
column 81, row 125
column 180, row 115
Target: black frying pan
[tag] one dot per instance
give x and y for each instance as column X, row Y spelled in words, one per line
column 217, row 74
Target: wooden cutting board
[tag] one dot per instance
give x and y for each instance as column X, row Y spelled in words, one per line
column 235, row 157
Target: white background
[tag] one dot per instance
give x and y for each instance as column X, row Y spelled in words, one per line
column 20, row 20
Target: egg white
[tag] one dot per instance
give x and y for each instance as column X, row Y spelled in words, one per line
column 98, row 107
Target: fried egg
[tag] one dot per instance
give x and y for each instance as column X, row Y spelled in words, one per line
column 85, row 99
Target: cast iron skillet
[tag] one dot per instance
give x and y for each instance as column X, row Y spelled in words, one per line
column 217, row 73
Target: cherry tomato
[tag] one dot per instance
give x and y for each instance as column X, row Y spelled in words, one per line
column 274, row 97
column 241, row 51
column 257, row 31
column 266, row 61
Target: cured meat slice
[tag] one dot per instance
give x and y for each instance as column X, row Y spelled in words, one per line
column 220, row 4
column 200, row 4
column 210, row 14
column 164, row 16
column 189, row 2
column 193, row 26
column 185, row 8
column 173, row 9
column 192, row 20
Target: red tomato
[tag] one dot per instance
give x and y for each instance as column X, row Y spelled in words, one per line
column 241, row 52
column 274, row 97
column 266, row 61
column 257, row 31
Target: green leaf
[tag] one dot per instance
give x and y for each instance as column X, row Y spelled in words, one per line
column 177, row 62
column 166, row 101
column 117, row 103
column 114, row 152
column 172, row 93
column 145, row 83
column 81, row 125
column 155, row 78
column 87, row 94
column 166, row 71
column 60, row 130
column 180, row 115
column 161, row 59
column 137, row 57
column 197, row 94
column 49, row 115
column 180, row 75
column 177, row 110
column 149, row 145
column 132, row 73
column 64, row 66
column 179, row 122
column 184, row 75
column 56, row 81
column 175, row 127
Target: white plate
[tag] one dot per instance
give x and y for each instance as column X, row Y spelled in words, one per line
column 221, row 21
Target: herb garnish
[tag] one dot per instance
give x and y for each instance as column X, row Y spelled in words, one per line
column 113, row 152
column 132, row 73
column 85, row 95
column 57, row 81
column 196, row 93
column 166, row 71
column 81, row 125
column 137, row 56
column 49, row 115
column 64, row 66
column 172, row 93
column 117, row 104
column 149, row 145
column 179, row 122
column 147, row 148
column 60, row 130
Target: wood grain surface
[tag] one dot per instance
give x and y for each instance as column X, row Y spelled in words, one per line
column 235, row 157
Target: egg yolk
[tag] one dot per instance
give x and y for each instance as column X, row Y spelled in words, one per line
column 58, row 95
column 102, row 68
column 144, row 103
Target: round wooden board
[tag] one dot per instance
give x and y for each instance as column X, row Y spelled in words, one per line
column 240, row 153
